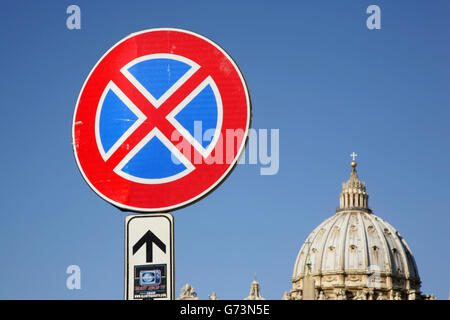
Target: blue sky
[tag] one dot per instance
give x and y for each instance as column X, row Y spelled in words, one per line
column 314, row 71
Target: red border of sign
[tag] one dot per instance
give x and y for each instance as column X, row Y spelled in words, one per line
column 138, row 197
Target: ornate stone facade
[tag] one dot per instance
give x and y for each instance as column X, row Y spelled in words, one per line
column 188, row 293
column 255, row 291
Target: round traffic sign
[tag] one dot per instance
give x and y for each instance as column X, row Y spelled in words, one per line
column 161, row 120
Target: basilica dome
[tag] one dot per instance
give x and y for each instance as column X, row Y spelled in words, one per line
column 356, row 255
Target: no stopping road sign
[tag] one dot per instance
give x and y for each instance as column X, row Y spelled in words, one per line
column 136, row 124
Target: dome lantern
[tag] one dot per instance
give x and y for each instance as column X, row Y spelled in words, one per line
column 354, row 194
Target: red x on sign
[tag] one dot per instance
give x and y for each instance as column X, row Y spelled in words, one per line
column 135, row 128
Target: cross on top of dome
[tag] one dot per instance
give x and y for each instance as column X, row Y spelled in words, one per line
column 353, row 164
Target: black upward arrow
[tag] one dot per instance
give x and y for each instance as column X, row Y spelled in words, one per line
column 148, row 239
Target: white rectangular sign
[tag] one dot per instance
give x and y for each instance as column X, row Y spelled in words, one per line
column 149, row 257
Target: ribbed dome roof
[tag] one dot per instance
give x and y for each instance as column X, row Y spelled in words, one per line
column 354, row 241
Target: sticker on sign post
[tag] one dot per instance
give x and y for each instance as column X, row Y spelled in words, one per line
column 160, row 121
column 150, row 282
